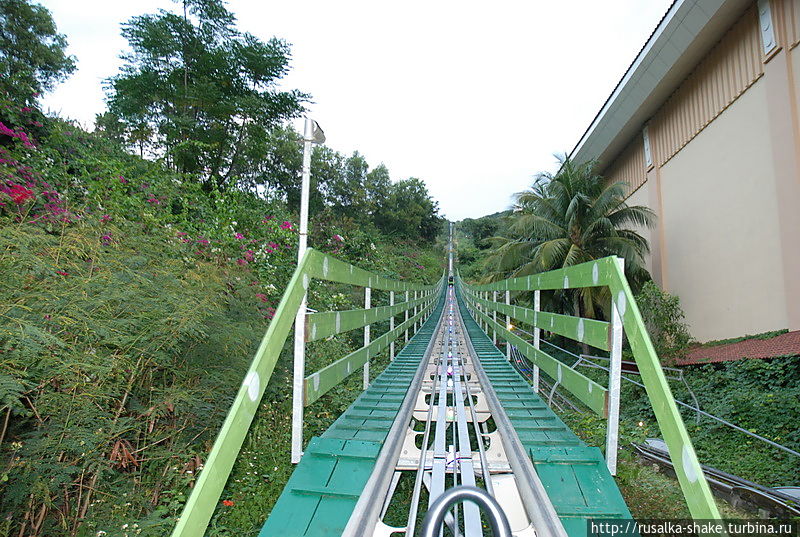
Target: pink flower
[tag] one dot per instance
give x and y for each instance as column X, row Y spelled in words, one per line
column 286, row 225
column 62, row 273
column 26, row 109
column 106, row 239
column 16, row 134
column 122, row 180
column 338, row 238
column 202, row 241
column 19, row 194
column 248, row 254
column 241, row 262
column 105, row 218
column 266, row 219
column 153, row 201
column 261, row 296
column 272, row 245
column 181, row 234
column 239, row 236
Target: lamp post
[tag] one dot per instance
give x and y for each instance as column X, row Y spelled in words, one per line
column 312, row 133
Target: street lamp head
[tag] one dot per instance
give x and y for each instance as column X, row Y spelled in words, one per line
column 313, row 132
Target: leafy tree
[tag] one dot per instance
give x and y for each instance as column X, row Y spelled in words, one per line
column 327, row 169
column 483, row 228
column 568, row 218
column 377, row 188
column 348, row 196
column 32, row 58
column 201, row 93
column 280, row 166
column 409, row 211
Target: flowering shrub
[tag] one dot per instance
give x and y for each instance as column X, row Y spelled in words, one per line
column 18, row 134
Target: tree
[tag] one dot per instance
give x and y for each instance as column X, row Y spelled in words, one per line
column 569, row 218
column 32, row 58
column 409, row 211
column 348, row 196
column 327, row 169
column 280, row 165
column 203, row 93
column 377, row 188
column 483, row 228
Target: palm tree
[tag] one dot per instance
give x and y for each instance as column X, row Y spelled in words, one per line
column 567, row 218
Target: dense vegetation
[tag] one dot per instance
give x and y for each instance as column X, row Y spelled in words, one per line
column 142, row 262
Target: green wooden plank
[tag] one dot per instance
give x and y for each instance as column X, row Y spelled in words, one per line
column 334, row 270
column 609, row 272
column 589, row 331
column 588, row 391
column 318, row 384
column 205, row 495
column 354, row 450
column 589, row 274
column 684, row 459
column 328, row 323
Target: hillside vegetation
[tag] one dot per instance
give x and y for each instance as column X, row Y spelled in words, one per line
column 138, row 276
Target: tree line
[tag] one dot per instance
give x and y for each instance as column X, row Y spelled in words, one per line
column 203, row 98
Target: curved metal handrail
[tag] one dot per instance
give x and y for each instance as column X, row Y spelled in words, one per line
column 435, row 516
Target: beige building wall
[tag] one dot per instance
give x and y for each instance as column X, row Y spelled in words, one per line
column 642, row 197
column 725, row 182
column 795, row 58
column 720, row 225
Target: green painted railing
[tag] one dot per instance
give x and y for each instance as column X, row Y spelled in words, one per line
column 317, row 384
column 315, row 265
column 606, row 272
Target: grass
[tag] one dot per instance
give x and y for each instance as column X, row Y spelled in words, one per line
column 762, row 335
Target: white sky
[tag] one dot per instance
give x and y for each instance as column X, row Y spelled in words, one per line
column 472, row 97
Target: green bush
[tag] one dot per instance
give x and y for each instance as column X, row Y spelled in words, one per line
column 758, row 395
column 663, row 317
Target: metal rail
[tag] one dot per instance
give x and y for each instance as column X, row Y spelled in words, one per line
column 370, row 503
column 537, row 503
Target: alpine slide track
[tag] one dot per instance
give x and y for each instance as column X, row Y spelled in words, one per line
column 480, row 448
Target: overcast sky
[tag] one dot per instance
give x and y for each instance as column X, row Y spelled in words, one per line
column 472, row 97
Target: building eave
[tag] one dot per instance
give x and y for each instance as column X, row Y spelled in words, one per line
column 680, row 40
